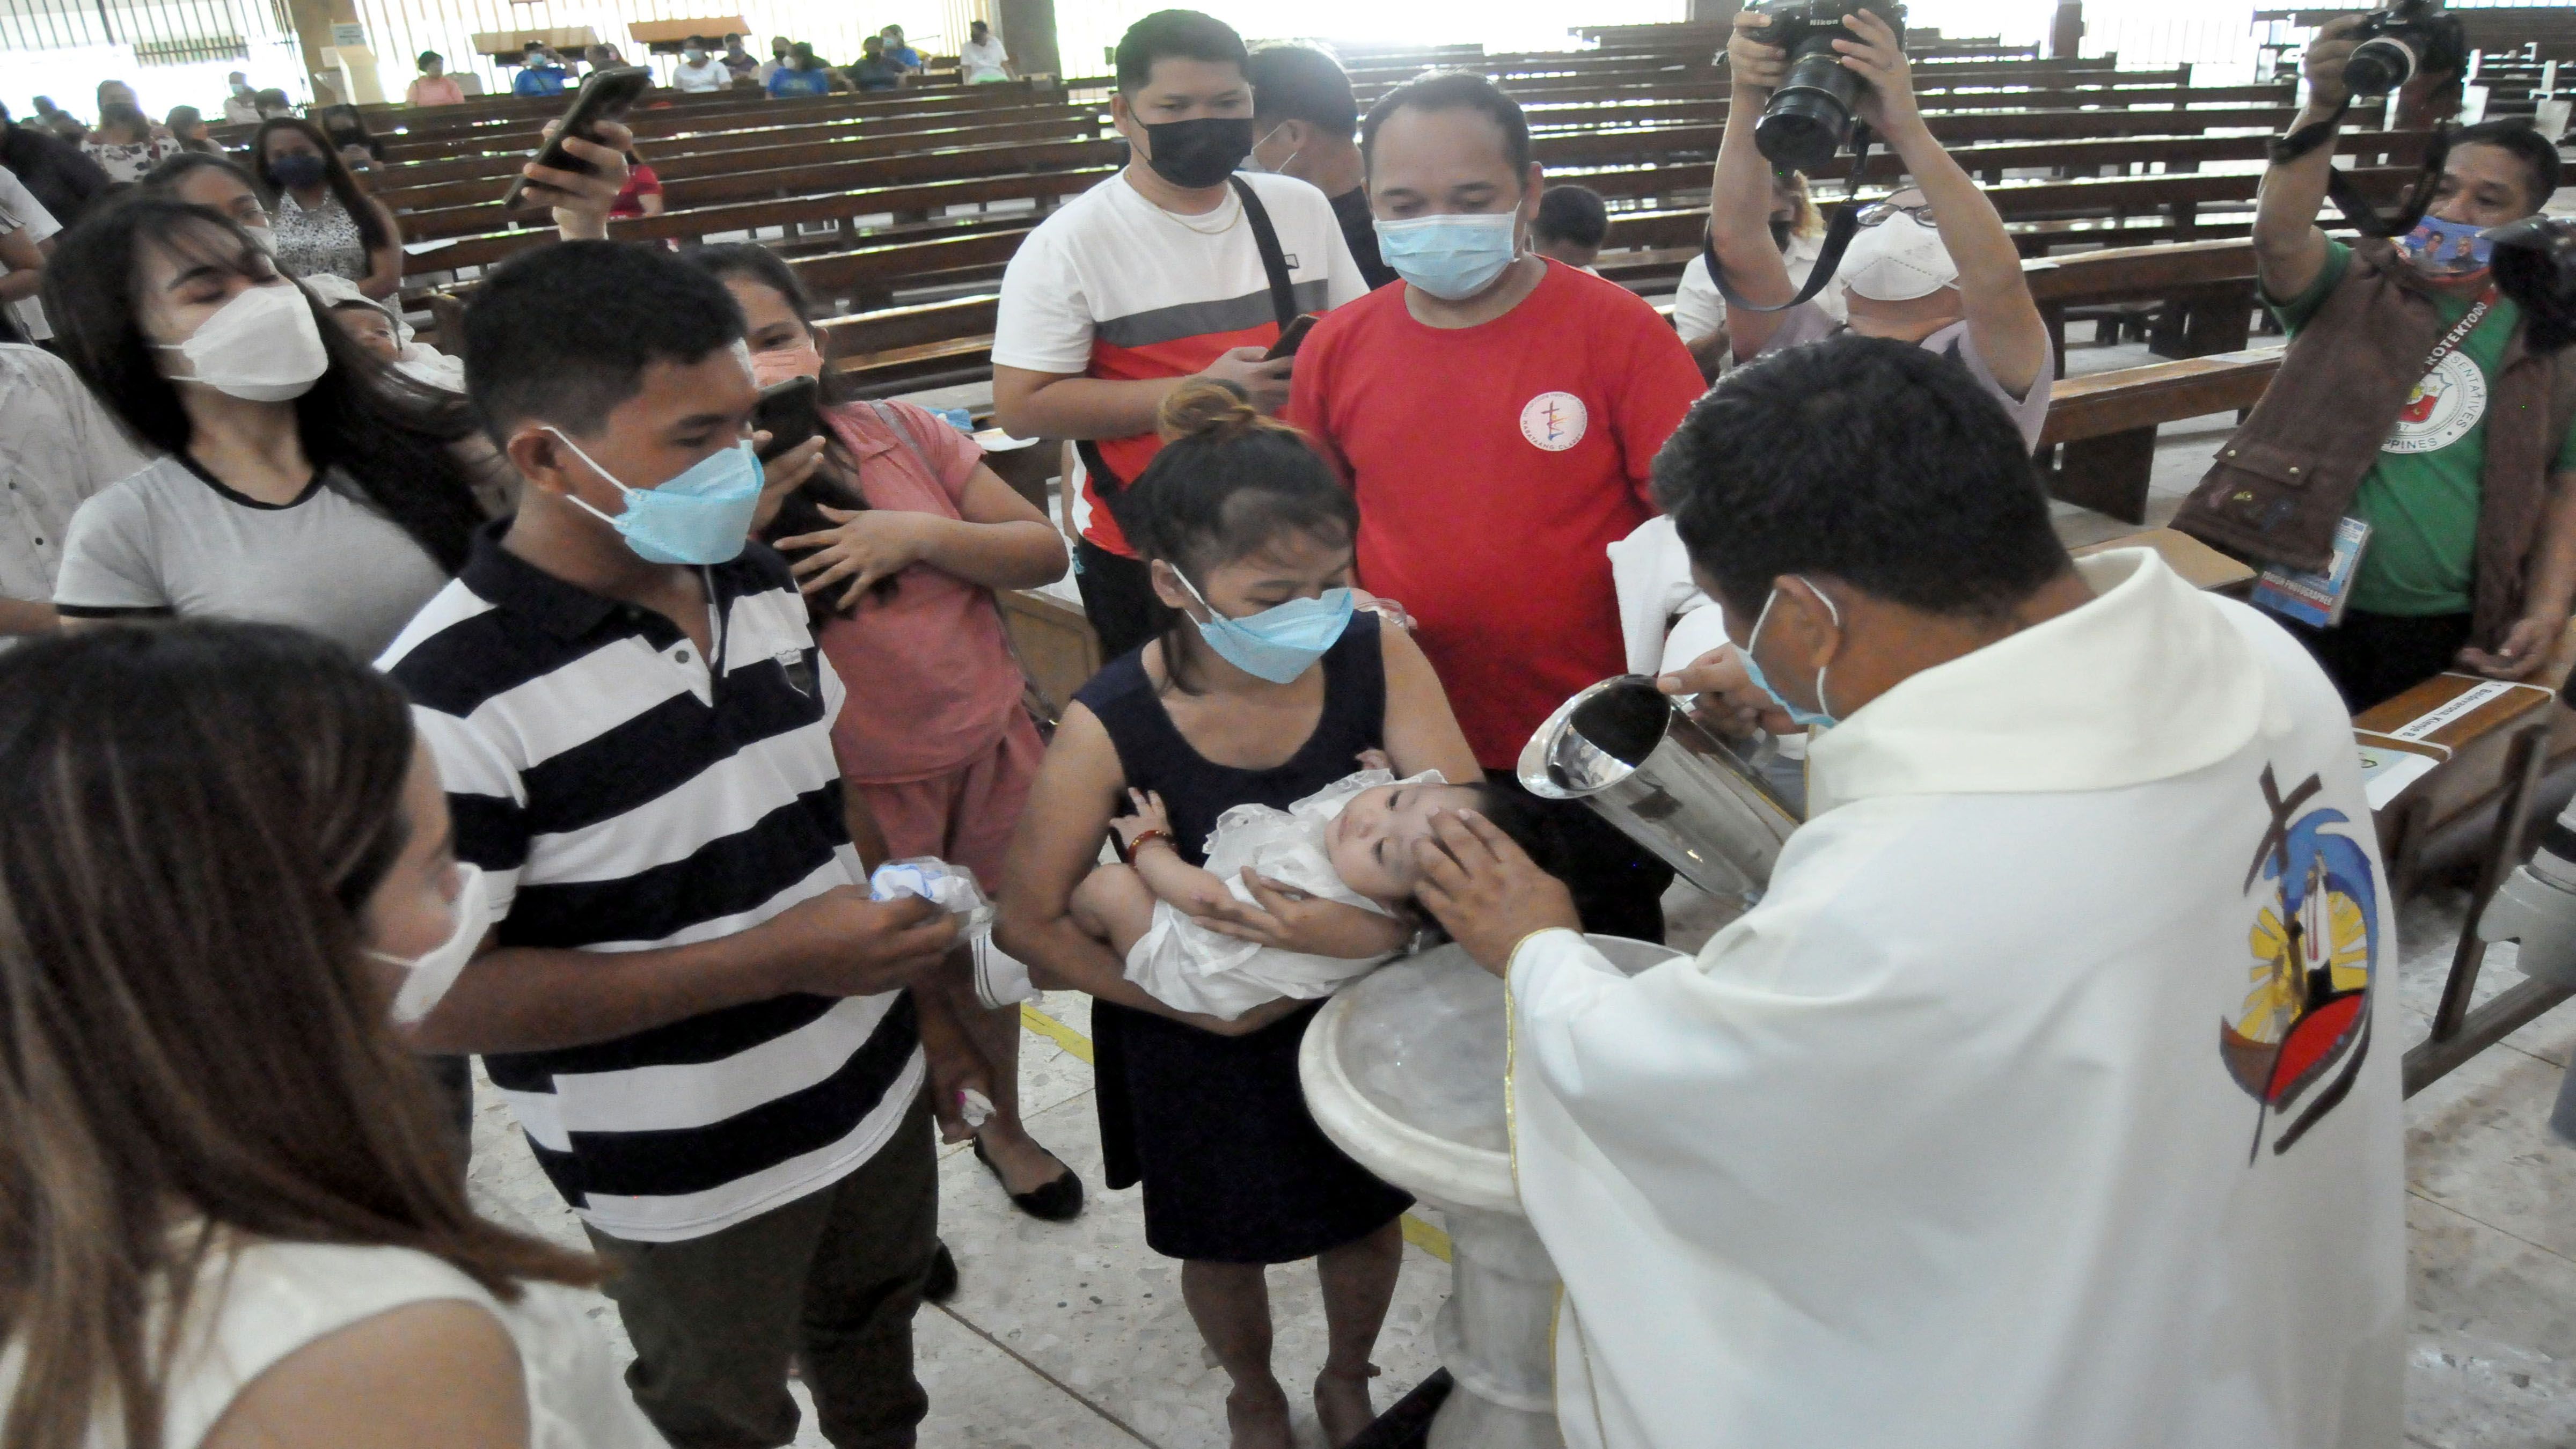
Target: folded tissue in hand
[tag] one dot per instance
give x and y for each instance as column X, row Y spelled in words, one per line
column 952, row 888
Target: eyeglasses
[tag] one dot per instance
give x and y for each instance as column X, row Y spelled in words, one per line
column 1878, row 211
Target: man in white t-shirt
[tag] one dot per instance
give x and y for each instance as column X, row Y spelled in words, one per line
column 1152, row 276
column 982, row 60
column 700, row 70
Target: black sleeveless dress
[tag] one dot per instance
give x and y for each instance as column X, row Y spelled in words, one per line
column 1216, row 1127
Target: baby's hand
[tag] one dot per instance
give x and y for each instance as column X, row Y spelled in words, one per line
column 1376, row 760
column 1148, row 819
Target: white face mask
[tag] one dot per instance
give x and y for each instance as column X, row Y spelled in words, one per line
column 262, row 346
column 1252, row 159
column 263, row 237
column 435, row 971
column 1897, row 260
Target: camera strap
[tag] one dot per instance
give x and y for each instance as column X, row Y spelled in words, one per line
column 2357, row 208
column 1274, row 262
column 1838, row 235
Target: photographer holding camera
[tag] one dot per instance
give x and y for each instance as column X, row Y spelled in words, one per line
column 1931, row 264
column 2412, row 399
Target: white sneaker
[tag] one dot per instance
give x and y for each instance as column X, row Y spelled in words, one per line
column 1001, row 979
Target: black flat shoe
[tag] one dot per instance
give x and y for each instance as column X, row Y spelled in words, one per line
column 941, row 1285
column 1056, row 1200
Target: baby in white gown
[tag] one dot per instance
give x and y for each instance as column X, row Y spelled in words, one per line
column 1350, row 843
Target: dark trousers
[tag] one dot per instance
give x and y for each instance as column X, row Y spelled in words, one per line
column 1618, row 884
column 2374, row 657
column 831, row 1279
column 1117, row 597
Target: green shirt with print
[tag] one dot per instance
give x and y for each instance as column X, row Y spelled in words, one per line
column 2421, row 498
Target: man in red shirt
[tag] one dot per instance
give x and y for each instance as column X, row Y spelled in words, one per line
column 1497, row 416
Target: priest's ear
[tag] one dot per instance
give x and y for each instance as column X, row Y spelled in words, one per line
column 1806, row 619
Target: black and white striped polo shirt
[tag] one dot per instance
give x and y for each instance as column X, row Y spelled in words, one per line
column 623, row 795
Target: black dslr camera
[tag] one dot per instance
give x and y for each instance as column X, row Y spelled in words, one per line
column 2535, row 265
column 2401, row 42
column 1810, row 115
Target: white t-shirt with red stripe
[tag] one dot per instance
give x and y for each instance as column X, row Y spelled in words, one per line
column 1114, row 287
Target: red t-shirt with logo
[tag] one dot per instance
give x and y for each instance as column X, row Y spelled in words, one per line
column 1494, row 466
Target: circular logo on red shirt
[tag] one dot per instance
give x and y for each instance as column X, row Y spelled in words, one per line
column 1554, row 421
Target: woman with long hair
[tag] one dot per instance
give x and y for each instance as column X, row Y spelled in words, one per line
column 304, row 484
column 229, row 1216
column 325, row 222
column 188, row 127
column 1266, row 684
column 901, row 536
column 218, row 183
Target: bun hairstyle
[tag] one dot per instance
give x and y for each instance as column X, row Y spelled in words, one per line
column 1226, row 482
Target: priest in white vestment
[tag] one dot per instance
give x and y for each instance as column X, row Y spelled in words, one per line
column 2045, row 1101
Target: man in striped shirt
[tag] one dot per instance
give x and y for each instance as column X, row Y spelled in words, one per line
column 695, row 1011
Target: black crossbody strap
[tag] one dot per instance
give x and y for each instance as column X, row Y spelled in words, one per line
column 1283, row 292
column 1838, row 236
column 2356, row 208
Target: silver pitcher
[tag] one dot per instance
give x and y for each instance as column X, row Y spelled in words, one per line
column 1629, row 751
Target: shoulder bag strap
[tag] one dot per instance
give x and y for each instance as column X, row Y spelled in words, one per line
column 1283, row 292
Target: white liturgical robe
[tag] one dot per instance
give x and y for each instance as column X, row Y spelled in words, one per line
column 2038, row 1105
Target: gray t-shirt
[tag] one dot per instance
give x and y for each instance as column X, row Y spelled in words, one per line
column 171, row 539
column 1807, row 322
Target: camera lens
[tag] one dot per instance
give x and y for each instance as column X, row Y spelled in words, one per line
column 1810, row 115
column 2379, row 65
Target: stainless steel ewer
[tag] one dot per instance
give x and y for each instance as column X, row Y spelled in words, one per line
column 1627, row 750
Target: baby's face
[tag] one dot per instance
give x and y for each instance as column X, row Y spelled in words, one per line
column 1371, row 843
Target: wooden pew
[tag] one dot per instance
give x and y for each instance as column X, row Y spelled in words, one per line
column 653, row 122
column 2104, row 424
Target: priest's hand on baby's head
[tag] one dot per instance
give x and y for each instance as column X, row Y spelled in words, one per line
column 1486, row 891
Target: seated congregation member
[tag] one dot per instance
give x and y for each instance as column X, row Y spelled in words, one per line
column 540, row 74
column 204, row 1088
column 2465, row 471
column 872, row 71
column 898, row 51
column 347, row 132
column 434, row 86
column 1262, row 686
column 1303, row 120
column 982, row 61
column 740, row 61
column 53, row 169
column 1931, row 264
column 1496, row 417
column 303, row 484
column 24, row 229
column 696, row 1012
column 1571, row 225
column 698, row 71
column 58, row 449
column 241, row 103
column 325, row 222
column 274, row 103
column 1798, row 231
column 802, row 75
column 124, row 145
column 188, row 127
column 1988, row 1140
column 1151, row 277
column 900, row 539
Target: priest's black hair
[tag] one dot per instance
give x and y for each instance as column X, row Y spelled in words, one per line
column 1868, row 460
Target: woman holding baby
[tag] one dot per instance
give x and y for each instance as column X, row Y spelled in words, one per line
column 1264, row 693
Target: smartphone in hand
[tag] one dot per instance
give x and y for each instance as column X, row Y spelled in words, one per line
column 1291, row 338
column 605, row 95
column 790, row 412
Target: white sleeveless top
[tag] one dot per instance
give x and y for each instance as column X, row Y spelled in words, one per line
column 278, row 1297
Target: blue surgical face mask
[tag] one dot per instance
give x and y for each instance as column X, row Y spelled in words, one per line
column 1277, row 644
column 1452, row 256
column 2451, row 250
column 1821, row 717
column 701, row 516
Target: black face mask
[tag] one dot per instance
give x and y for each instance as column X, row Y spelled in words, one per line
column 1779, row 234
column 1200, row 153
